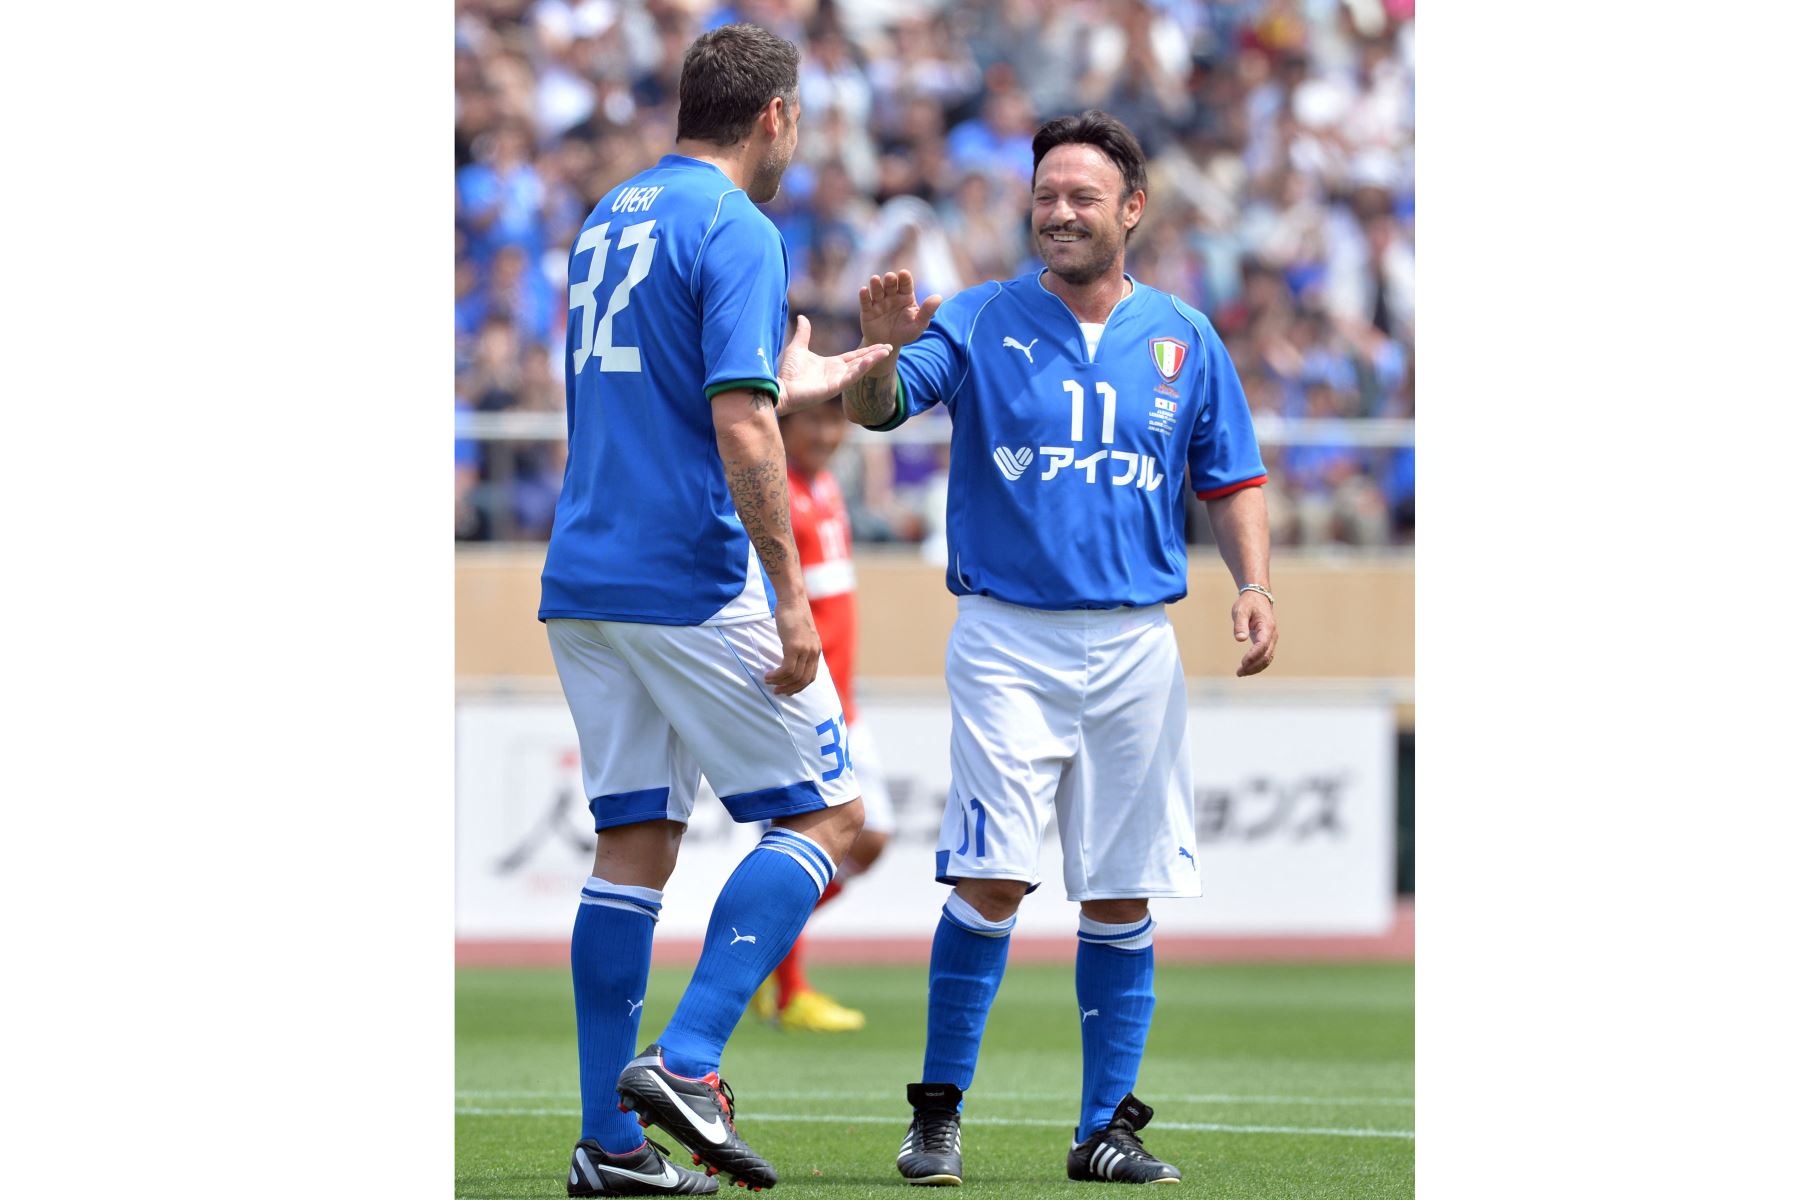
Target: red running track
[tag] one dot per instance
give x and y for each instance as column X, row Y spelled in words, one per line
column 1396, row 945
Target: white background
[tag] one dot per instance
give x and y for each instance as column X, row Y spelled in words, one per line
column 1301, row 841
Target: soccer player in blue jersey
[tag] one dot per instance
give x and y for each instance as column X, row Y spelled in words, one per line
column 1080, row 400
column 676, row 611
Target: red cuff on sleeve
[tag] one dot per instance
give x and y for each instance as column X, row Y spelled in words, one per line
column 1229, row 488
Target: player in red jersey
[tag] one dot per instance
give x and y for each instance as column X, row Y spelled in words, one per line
column 822, row 536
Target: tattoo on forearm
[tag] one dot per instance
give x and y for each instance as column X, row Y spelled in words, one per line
column 871, row 400
column 760, row 400
column 759, row 488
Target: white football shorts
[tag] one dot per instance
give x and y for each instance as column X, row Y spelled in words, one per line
column 655, row 706
column 878, row 804
column 1082, row 713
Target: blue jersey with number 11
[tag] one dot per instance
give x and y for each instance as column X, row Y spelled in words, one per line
column 1066, row 469
column 677, row 291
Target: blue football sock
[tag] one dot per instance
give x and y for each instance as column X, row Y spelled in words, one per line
column 968, row 957
column 1113, row 969
column 609, row 956
column 760, row 911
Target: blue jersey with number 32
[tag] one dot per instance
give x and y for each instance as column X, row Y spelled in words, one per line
column 1066, row 471
column 677, row 291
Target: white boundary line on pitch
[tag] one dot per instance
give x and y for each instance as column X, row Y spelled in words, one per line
column 1215, row 1098
column 828, row 1119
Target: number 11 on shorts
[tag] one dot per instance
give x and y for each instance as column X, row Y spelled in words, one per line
column 980, row 829
column 837, row 749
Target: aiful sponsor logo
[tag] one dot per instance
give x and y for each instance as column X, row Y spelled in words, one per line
column 1012, row 463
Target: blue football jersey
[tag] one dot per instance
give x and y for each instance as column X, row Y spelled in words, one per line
column 677, row 291
column 1065, row 472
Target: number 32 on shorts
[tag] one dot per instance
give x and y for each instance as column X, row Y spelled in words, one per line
column 836, row 749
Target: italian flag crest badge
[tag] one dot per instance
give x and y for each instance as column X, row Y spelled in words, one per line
column 1169, row 355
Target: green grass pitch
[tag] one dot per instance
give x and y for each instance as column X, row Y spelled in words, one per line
column 1267, row 1081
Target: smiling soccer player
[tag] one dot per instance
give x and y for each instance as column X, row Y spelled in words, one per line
column 1080, row 400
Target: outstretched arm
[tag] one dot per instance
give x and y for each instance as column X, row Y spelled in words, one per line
column 756, row 472
column 1240, row 523
column 807, row 380
column 892, row 315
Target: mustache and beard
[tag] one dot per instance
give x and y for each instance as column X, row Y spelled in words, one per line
column 1085, row 260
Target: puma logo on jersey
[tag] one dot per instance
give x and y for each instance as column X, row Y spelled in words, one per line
column 1088, row 1012
column 737, row 937
column 1184, row 852
column 1012, row 343
column 1012, row 463
column 635, row 1005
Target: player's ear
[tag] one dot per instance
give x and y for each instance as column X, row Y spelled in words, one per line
column 771, row 116
column 1134, row 209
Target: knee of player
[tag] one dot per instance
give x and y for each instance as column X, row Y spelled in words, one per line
column 641, row 855
column 1115, row 912
column 851, row 817
column 994, row 899
column 868, row 847
column 834, row 829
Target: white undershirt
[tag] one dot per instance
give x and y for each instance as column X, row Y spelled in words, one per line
column 1091, row 330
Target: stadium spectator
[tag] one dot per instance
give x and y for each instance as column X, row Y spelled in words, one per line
column 1332, row 486
column 999, row 140
column 518, row 293
column 495, row 379
column 980, row 220
column 1284, row 125
column 500, row 197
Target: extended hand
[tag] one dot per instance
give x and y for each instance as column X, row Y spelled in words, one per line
column 808, row 380
column 891, row 313
column 799, row 649
column 1253, row 620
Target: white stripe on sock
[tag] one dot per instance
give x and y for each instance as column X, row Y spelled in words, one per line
column 1098, row 933
column 812, row 872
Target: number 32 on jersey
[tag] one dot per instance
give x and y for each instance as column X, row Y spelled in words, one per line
column 597, row 339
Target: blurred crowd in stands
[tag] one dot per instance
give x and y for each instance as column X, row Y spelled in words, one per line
column 1280, row 134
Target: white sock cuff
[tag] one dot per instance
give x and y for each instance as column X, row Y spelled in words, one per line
column 961, row 912
column 1132, row 935
column 622, row 896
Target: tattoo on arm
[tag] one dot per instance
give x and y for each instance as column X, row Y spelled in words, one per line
column 872, row 399
column 759, row 488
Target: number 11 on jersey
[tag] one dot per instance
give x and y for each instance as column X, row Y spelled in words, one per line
column 1109, row 404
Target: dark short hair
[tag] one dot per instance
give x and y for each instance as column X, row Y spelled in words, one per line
column 1105, row 133
column 729, row 75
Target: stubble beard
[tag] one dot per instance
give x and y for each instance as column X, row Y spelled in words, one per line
column 765, row 181
column 1085, row 269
